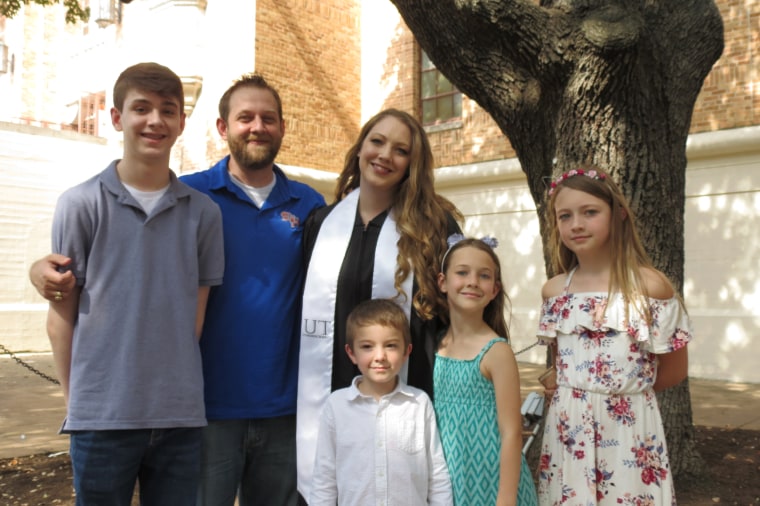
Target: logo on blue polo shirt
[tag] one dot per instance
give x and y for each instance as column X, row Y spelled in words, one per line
column 292, row 218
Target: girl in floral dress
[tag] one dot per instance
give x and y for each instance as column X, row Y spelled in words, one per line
column 619, row 333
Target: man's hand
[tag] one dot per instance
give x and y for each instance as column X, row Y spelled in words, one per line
column 48, row 280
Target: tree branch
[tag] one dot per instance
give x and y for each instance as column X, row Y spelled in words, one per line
column 498, row 44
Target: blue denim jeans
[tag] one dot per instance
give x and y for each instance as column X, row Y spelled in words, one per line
column 253, row 459
column 107, row 463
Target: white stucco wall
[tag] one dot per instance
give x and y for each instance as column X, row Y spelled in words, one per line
column 36, row 165
column 722, row 247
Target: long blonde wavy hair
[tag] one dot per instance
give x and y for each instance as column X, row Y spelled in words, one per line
column 421, row 214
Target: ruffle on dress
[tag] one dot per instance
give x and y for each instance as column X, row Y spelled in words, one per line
column 570, row 313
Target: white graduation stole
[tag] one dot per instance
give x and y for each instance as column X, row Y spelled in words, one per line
column 317, row 326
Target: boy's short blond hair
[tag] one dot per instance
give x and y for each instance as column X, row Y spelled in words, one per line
column 383, row 312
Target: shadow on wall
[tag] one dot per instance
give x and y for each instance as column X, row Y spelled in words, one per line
column 722, row 276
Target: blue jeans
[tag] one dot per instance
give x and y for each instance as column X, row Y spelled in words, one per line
column 107, row 463
column 254, row 459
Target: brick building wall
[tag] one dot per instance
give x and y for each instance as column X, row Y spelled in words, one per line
column 310, row 50
column 730, row 96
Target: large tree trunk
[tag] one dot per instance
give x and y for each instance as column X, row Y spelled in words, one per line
column 603, row 81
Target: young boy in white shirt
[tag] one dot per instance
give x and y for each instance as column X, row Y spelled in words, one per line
column 378, row 439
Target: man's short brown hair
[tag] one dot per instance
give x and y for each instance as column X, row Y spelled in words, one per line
column 252, row 80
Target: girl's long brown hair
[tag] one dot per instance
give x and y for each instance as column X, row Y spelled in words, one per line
column 421, row 214
column 627, row 254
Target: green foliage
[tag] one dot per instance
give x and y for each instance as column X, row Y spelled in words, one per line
column 74, row 11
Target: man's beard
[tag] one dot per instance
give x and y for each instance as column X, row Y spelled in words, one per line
column 259, row 158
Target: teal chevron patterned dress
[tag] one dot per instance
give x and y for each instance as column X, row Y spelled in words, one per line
column 465, row 406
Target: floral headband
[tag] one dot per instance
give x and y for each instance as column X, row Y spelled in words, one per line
column 453, row 239
column 576, row 172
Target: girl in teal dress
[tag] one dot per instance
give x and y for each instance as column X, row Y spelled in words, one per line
column 476, row 384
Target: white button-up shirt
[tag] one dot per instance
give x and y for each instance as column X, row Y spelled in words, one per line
column 385, row 452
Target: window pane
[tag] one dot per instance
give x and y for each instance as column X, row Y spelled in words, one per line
column 445, row 108
column 428, row 111
column 457, row 104
column 444, row 86
column 426, row 63
column 440, row 99
column 428, row 84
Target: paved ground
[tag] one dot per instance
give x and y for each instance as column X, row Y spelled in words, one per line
column 31, row 408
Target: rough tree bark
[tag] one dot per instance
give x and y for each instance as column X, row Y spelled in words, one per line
column 611, row 82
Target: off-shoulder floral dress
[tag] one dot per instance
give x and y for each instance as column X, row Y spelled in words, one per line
column 604, row 441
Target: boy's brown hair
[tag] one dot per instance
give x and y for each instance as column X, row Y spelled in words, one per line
column 382, row 312
column 148, row 77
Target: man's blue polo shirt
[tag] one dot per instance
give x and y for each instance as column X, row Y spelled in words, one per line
column 251, row 333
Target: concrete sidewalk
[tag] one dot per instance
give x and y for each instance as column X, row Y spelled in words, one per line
column 31, row 408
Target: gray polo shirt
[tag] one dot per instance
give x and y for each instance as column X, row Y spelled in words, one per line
column 135, row 359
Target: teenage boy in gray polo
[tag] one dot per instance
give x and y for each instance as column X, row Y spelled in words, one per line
column 145, row 249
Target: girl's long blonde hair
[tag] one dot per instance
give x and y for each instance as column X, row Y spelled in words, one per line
column 422, row 216
column 627, row 254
